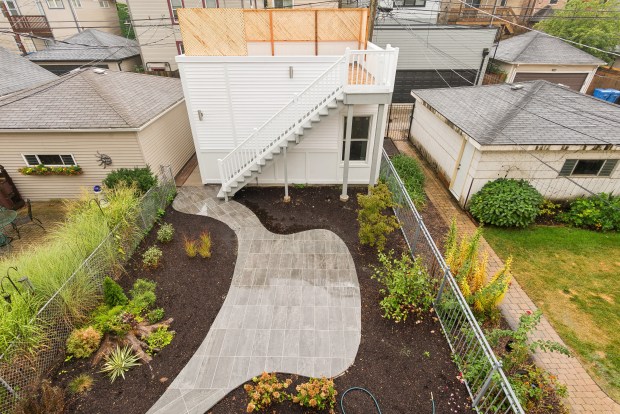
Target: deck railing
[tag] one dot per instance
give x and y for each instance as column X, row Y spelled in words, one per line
column 483, row 376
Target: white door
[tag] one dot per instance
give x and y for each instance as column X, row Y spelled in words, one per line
column 461, row 174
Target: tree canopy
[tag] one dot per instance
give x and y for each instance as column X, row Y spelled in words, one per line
column 591, row 22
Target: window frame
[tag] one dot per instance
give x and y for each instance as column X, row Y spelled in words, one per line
column 49, row 165
column 401, row 3
column 76, row 3
column 104, row 4
column 217, row 4
column 171, row 9
column 284, row 7
column 62, row 4
column 368, row 139
column 16, row 7
column 573, row 174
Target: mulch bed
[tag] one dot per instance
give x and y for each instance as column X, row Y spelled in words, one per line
column 191, row 291
column 401, row 364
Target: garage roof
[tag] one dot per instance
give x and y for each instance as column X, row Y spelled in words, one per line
column 539, row 48
column 91, row 99
column 18, row 73
column 536, row 113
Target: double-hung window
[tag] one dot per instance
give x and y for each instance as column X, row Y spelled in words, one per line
column 174, row 5
column 51, row 160
column 76, row 3
column 11, row 7
column 360, row 135
column 410, row 3
column 105, row 4
column 283, row 4
column 55, row 4
column 588, row 168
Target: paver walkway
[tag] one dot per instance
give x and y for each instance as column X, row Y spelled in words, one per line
column 293, row 307
column 585, row 396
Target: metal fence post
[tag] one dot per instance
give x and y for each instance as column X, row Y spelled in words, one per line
column 485, row 385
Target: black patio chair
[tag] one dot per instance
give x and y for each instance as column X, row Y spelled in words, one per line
column 27, row 219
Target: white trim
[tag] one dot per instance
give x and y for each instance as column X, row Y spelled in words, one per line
column 371, row 128
column 255, row 59
column 50, row 165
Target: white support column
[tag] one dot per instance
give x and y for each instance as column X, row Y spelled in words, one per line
column 376, row 148
column 347, row 153
column 287, row 198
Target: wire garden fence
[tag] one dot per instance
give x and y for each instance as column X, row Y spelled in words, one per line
column 486, row 382
column 22, row 370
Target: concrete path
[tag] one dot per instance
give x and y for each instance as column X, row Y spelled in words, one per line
column 584, row 395
column 293, row 307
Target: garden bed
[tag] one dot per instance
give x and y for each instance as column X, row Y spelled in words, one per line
column 401, row 364
column 191, row 291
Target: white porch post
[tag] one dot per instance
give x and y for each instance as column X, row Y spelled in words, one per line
column 347, row 153
column 287, row 198
column 377, row 144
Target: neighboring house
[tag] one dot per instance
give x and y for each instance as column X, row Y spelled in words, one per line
column 267, row 110
column 134, row 119
column 18, row 73
column 109, row 51
column 435, row 56
column 412, row 11
column 53, row 19
column 157, row 19
column 475, row 135
column 534, row 55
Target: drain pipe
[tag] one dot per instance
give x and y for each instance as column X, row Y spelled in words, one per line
column 480, row 75
column 287, row 198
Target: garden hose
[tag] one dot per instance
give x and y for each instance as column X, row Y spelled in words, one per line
column 373, row 399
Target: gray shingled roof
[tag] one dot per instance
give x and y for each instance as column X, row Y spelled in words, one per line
column 18, row 73
column 541, row 113
column 538, row 48
column 86, row 100
column 102, row 48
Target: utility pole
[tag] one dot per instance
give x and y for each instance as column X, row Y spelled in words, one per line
column 373, row 16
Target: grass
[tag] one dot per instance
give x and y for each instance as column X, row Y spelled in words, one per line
column 572, row 275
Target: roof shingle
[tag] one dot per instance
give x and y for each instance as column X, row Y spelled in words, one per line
column 18, row 73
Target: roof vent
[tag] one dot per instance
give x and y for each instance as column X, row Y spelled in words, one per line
column 516, row 87
column 564, row 86
column 99, row 71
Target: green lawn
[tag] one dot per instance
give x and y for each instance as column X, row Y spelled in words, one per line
column 573, row 275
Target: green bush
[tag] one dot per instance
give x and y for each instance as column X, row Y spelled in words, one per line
column 83, row 342
column 155, row 315
column 506, row 203
column 413, row 177
column 110, row 320
column 113, row 294
column 142, row 177
column 407, row 286
column 316, row 394
column 151, row 257
column 599, row 212
column 158, row 340
column 374, row 224
column 165, row 233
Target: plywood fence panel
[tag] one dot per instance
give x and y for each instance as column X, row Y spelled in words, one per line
column 294, row 26
column 213, row 32
column 342, row 26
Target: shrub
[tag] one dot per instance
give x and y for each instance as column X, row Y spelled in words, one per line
column 506, row 203
column 142, row 286
column 165, row 233
column 470, row 272
column 191, row 247
column 110, row 320
column 407, row 286
column 81, row 384
column 159, row 339
column 268, row 390
column 142, row 295
column 599, row 212
column 204, row 245
column 413, row 177
column 549, row 210
column 536, row 389
column 118, row 362
column 318, row 394
column 83, row 342
column 155, row 315
column 142, row 177
column 152, row 257
column 42, row 398
column 113, row 294
column 374, row 224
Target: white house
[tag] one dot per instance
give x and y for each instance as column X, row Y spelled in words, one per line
column 537, row 131
column 535, row 55
column 299, row 101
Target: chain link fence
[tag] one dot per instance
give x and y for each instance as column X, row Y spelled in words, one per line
column 486, row 382
column 25, row 369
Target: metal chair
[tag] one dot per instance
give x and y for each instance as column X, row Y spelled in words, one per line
column 27, row 219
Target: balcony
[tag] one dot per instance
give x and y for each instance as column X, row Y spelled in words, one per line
column 33, row 25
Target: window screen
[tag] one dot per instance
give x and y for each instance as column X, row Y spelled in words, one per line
column 50, row 159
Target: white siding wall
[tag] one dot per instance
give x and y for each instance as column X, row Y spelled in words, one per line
column 168, row 140
column 123, row 148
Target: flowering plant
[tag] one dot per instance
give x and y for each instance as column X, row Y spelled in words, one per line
column 316, row 393
column 268, row 389
column 44, row 170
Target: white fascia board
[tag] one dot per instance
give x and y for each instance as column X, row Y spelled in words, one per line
column 254, row 59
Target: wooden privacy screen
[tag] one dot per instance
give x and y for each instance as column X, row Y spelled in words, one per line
column 226, row 32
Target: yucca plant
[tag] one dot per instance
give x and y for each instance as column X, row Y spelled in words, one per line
column 118, row 362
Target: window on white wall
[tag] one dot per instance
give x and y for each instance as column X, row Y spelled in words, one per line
column 49, row 159
column 104, row 4
column 360, row 135
column 76, row 3
column 283, row 4
column 55, row 4
column 410, row 3
column 11, row 7
column 597, row 168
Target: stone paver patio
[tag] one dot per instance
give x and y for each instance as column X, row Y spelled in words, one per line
column 585, row 396
column 293, row 307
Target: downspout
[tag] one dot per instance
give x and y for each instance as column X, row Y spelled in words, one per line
column 480, row 75
column 77, row 24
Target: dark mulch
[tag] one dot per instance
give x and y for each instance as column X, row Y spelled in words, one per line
column 191, row 291
column 401, row 364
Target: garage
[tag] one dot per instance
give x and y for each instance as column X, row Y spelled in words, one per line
column 406, row 80
column 572, row 80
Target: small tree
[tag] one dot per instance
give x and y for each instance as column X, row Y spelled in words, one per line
column 374, row 224
column 113, row 294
